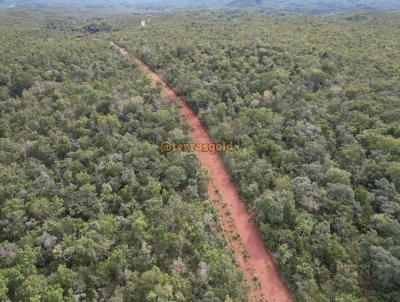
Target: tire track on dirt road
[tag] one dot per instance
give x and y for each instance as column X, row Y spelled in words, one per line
column 244, row 239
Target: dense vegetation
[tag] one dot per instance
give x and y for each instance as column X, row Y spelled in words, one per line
column 90, row 210
column 315, row 6
column 313, row 105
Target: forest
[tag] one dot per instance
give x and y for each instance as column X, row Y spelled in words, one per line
column 312, row 104
column 92, row 210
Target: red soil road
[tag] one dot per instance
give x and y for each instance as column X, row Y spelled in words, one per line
column 265, row 282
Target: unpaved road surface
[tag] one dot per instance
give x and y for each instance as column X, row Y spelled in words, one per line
column 243, row 236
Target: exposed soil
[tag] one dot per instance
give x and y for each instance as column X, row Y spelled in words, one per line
column 240, row 230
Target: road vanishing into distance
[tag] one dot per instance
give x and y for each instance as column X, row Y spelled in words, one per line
column 261, row 273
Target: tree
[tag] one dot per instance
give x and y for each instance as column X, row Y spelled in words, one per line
column 385, row 269
column 66, row 278
column 20, row 82
column 53, row 294
column 109, row 123
column 119, row 261
column 175, row 176
column 3, row 288
column 270, row 209
column 337, row 176
column 32, row 288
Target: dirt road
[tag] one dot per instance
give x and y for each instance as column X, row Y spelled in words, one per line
column 244, row 238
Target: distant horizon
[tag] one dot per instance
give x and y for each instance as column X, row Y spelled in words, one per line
column 285, row 5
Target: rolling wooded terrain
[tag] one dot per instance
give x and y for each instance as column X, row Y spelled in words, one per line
column 313, row 105
column 91, row 210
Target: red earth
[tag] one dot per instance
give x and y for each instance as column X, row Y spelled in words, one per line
column 261, row 273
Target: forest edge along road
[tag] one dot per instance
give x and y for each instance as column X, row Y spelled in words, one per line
column 259, row 268
column 244, row 239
